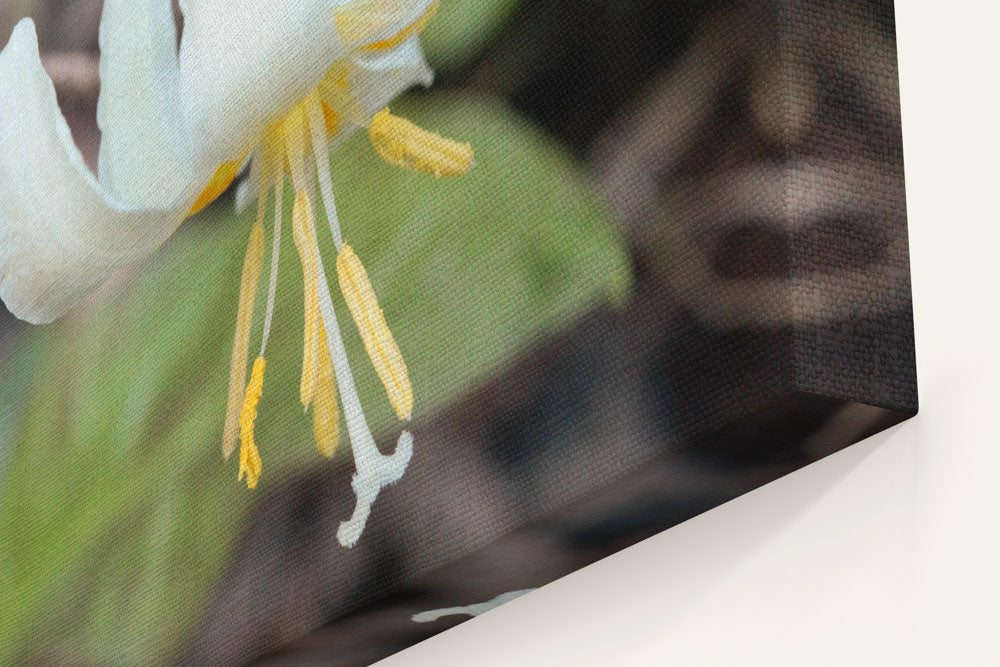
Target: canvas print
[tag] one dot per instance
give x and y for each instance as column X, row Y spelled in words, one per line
column 329, row 324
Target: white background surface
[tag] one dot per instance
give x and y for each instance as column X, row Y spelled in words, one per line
column 887, row 553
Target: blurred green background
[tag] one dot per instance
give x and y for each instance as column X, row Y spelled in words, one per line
column 117, row 511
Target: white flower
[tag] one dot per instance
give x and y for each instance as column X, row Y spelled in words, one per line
column 275, row 83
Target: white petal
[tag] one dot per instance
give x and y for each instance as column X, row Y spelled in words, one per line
column 363, row 22
column 60, row 234
column 245, row 64
column 144, row 158
column 378, row 78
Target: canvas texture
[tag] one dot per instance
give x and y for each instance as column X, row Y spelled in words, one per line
column 671, row 267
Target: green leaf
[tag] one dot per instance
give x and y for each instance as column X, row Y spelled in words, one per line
column 118, row 512
column 461, row 27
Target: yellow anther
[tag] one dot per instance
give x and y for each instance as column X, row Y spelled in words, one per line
column 414, row 28
column 401, row 143
column 250, row 462
column 252, row 264
column 222, row 179
column 318, row 384
column 304, row 234
column 378, row 340
column 326, row 418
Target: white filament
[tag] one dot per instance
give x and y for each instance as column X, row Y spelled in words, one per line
column 374, row 470
column 317, row 126
column 295, row 150
column 279, row 189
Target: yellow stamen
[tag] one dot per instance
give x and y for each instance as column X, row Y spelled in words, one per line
column 252, row 265
column 304, row 234
column 318, row 380
column 403, row 144
column 278, row 155
column 335, row 92
column 222, row 179
column 250, row 462
column 378, row 340
column 331, row 119
column 414, row 28
column 326, row 418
